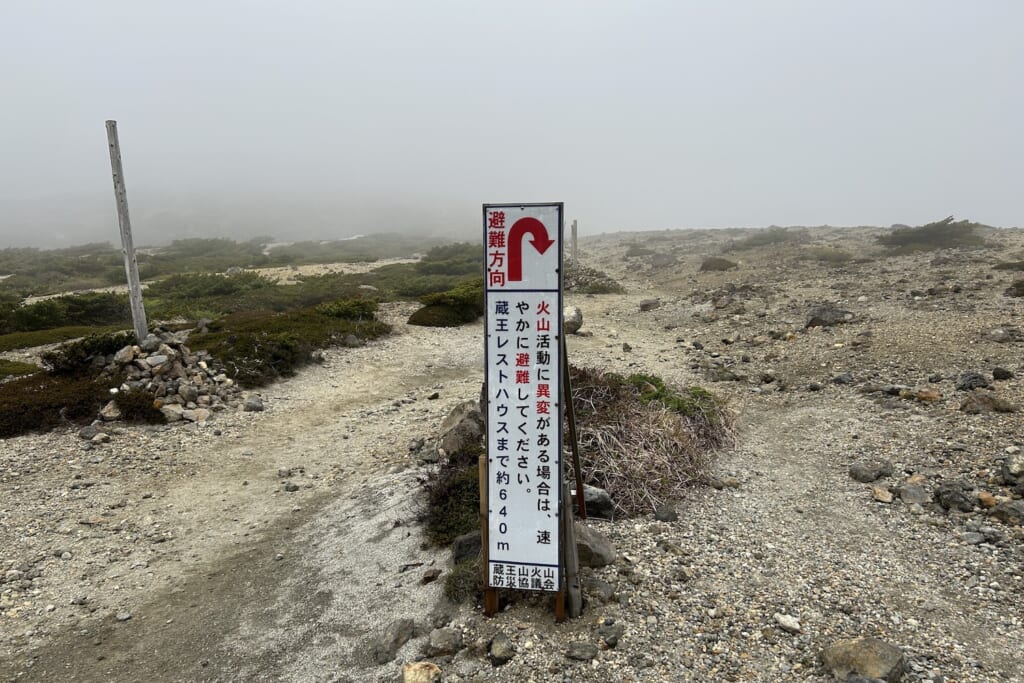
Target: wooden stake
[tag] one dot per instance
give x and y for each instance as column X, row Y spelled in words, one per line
column 131, row 266
column 574, row 440
column 575, row 245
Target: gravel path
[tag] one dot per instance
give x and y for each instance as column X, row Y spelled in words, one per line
column 222, row 574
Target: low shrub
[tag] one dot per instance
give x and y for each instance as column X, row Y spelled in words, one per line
column 41, row 402
column 823, row 254
column 77, row 357
column 636, row 250
column 464, row 581
column 584, row 280
column 191, row 286
column 716, row 264
column 944, row 234
column 461, row 304
column 258, row 347
column 1009, row 265
column 452, row 503
column 93, row 308
column 1016, row 289
column 136, row 405
column 349, row 309
column 642, row 440
column 13, row 368
column 26, row 340
column 769, row 237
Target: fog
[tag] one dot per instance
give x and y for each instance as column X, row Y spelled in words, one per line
column 324, row 119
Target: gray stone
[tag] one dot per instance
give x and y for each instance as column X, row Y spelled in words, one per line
column 150, row 344
column 954, row 495
column 912, row 493
column 351, row 341
column 580, row 651
column 1001, row 374
column 827, row 315
column 466, row 546
column 124, row 616
column 650, row 304
column 155, row 360
column 666, row 513
column 572, row 319
column 172, row 412
column 986, row 402
column 593, row 548
column 444, row 641
column 88, row 432
column 1012, row 470
column 610, row 632
column 110, row 412
column 501, row 649
column 973, row 538
column 787, row 622
column 867, row 657
column 1010, row 512
column 462, row 430
column 188, row 393
column 971, row 380
column 870, row 470
column 125, row 355
column 384, row 648
column 253, row 404
column 599, row 502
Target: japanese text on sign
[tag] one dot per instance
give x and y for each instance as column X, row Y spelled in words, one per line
column 523, row 313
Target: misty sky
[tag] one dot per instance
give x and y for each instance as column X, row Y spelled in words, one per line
column 327, row 118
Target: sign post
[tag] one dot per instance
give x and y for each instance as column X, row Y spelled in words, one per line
column 523, row 532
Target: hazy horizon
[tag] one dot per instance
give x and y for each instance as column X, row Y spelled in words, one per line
column 320, row 120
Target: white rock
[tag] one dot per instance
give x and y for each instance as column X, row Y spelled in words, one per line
column 787, row 622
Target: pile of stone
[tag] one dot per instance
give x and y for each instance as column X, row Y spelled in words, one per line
column 184, row 385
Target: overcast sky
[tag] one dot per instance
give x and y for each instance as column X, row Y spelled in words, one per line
column 327, row 118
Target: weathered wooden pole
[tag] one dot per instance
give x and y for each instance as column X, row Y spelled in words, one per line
column 131, row 266
column 576, row 245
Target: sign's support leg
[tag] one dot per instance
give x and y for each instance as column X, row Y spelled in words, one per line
column 573, row 592
column 574, row 440
column 490, row 594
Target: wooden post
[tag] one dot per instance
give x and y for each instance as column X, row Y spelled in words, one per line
column 131, row 266
column 575, row 245
column 574, row 439
column 490, row 594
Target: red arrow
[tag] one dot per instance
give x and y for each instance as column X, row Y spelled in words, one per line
column 540, row 242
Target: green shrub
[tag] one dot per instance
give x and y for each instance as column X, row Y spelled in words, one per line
column 585, row 280
column 349, row 309
column 461, row 304
column 257, row 347
column 136, row 405
column 944, row 234
column 190, row 286
column 452, row 505
column 464, row 581
column 25, row 340
column 635, row 250
column 40, row 402
column 76, row 357
column 13, row 368
column 769, row 237
column 1009, row 265
column 92, row 308
column 715, row 264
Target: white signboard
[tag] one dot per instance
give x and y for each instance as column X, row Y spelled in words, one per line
column 523, row 251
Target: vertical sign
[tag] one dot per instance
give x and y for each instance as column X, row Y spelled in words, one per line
column 523, row 258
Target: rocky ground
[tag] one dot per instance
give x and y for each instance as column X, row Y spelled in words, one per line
column 874, row 491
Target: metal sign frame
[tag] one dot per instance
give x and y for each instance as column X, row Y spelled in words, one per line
column 523, row 294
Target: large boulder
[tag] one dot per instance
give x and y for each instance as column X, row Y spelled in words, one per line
column 827, row 315
column 462, row 430
column 866, row 657
column 572, row 319
column 592, row 547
